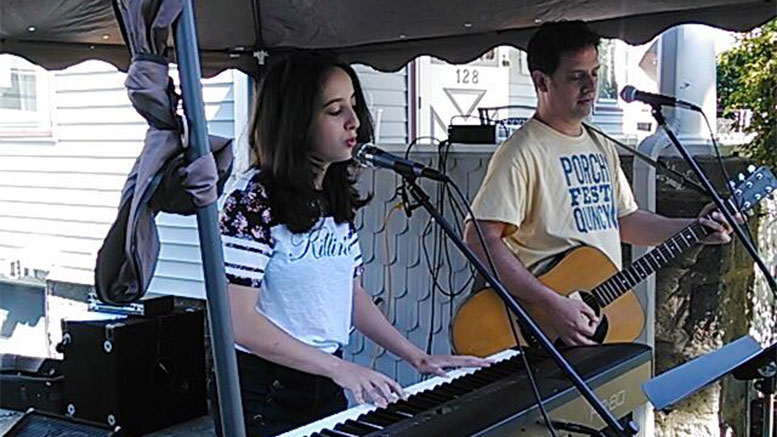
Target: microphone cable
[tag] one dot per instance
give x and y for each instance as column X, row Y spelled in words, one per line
column 444, row 147
column 521, row 352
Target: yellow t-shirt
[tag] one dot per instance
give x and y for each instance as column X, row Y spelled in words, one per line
column 555, row 192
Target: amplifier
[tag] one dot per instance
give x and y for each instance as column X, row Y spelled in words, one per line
column 140, row 373
column 472, row 133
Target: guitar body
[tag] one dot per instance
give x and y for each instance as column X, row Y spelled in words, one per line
column 481, row 326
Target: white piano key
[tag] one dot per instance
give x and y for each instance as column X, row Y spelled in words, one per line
column 353, row 413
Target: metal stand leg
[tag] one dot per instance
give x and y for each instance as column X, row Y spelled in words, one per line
column 762, row 409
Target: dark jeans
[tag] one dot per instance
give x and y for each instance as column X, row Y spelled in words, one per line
column 277, row 399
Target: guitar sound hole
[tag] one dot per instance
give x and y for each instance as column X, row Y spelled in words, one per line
column 601, row 330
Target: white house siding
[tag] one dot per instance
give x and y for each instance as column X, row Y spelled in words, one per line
column 387, row 93
column 59, row 194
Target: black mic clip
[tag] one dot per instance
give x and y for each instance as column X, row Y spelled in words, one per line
column 407, row 205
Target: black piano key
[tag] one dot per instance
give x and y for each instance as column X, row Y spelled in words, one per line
column 491, row 376
column 462, row 387
column 352, row 429
column 482, row 380
column 375, row 420
column 459, row 390
column 469, row 385
column 448, row 387
column 403, row 407
column 364, row 425
column 447, row 391
column 476, row 379
column 382, row 413
column 332, row 433
column 469, row 379
column 437, row 396
column 421, row 402
column 423, row 398
column 402, row 412
column 463, row 383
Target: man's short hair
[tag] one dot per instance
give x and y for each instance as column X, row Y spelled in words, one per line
column 554, row 39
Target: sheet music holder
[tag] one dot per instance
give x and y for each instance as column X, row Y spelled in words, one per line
column 676, row 384
column 745, row 359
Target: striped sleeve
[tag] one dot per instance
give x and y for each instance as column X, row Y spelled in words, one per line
column 245, row 237
column 356, row 252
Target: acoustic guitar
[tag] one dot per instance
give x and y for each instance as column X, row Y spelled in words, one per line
column 482, row 325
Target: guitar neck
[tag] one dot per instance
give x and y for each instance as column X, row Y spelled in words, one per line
column 651, row 262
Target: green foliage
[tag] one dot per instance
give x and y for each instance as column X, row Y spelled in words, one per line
column 747, row 79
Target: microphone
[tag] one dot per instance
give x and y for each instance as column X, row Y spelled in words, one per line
column 630, row 94
column 369, row 155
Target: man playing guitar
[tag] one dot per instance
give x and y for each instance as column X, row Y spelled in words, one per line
column 555, row 185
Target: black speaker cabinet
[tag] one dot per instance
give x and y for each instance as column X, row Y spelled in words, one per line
column 140, row 373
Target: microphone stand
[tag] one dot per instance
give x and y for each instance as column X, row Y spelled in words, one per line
column 659, row 116
column 627, row 430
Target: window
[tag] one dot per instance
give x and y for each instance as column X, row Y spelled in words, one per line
column 608, row 85
column 24, row 97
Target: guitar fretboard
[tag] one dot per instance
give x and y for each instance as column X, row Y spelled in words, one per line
column 611, row 289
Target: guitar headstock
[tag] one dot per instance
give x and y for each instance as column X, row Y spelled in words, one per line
column 753, row 187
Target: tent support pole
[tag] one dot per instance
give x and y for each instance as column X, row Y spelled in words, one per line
column 222, row 341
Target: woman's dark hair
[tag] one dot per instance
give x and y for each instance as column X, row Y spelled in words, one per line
column 281, row 140
column 558, row 38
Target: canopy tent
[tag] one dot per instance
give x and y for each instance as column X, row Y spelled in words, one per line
column 383, row 34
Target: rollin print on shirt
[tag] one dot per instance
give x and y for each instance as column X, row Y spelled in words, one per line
column 321, row 243
column 589, row 185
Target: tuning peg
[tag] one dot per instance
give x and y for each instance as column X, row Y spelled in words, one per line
column 747, row 205
column 769, row 189
column 751, row 168
column 758, row 197
column 732, row 184
column 741, row 177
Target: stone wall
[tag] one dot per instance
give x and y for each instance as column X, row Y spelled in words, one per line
column 705, row 299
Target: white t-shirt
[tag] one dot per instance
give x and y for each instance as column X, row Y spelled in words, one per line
column 305, row 279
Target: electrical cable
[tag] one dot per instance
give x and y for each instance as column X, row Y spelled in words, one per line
column 487, row 252
column 726, row 175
